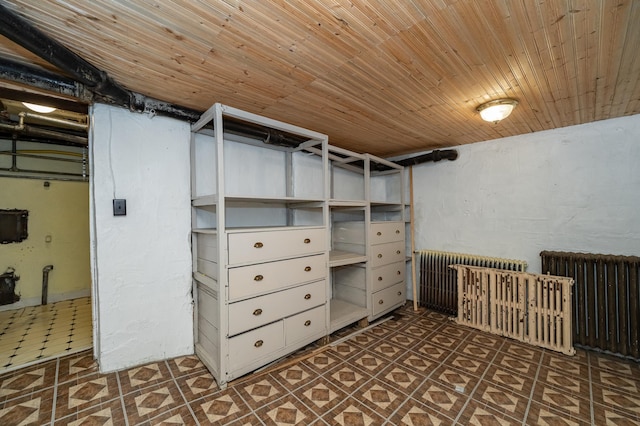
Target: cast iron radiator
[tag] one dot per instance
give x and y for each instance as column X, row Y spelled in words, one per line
column 438, row 283
column 532, row 308
column 606, row 299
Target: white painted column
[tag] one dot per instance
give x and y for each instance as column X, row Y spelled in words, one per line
column 141, row 262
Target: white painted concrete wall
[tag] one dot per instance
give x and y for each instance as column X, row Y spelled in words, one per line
column 570, row 189
column 141, row 262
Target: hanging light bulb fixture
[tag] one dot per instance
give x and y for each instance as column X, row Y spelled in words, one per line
column 497, row 110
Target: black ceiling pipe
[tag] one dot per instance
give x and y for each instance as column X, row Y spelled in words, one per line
column 23, row 33
column 435, row 155
column 42, row 79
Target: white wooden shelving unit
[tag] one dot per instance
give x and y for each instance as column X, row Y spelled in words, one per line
column 259, row 240
column 292, row 239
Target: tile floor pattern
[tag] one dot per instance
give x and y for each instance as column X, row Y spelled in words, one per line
column 415, row 369
column 38, row 333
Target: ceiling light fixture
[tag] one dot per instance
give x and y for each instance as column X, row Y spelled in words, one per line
column 39, row 108
column 497, row 110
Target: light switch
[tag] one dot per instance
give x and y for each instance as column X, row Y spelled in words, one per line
column 119, row 207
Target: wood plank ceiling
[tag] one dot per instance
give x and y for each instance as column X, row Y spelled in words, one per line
column 387, row 77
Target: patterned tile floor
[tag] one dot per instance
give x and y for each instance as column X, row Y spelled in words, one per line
column 37, row 333
column 415, row 369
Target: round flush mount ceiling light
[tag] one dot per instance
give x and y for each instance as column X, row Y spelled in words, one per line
column 39, row 108
column 497, row 110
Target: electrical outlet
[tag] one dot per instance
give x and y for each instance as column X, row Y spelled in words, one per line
column 119, row 207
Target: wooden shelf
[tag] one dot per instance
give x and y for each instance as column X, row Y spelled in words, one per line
column 344, row 313
column 341, row 258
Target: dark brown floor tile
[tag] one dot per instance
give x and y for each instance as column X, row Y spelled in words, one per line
column 611, row 363
column 185, row 365
column 294, row 375
column 560, row 400
column 364, row 340
column 615, row 380
column 475, row 366
column 180, row 416
column 380, row 396
column 417, row 331
column 414, row 413
column 437, row 316
column 544, row 414
column 351, row 412
column 405, row 378
column 389, row 350
column 220, row 408
column 485, row 339
column 197, row 385
column 444, row 340
column 428, row 323
column 27, row 380
column 249, row 420
column 617, row 400
column 519, row 366
column 321, row 394
column 565, row 364
column 440, row 397
column 379, row 332
column 32, row 409
column 397, row 322
column 476, row 351
column 431, row 351
column 476, row 413
column 454, row 378
column 321, row 362
column 76, row 365
column 502, row 399
column 403, row 340
column 572, row 385
column 260, row 390
column 370, row 362
column 147, row 403
column 85, row 392
column 418, row 362
column 344, row 350
column 609, row 415
column 106, row 413
column 522, row 351
column 455, row 330
column 348, row 376
column 143, row 376
column 286, row 411
column 506, row 378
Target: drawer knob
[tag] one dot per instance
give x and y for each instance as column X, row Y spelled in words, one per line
column 399, row 273
column 307, row 269
column 307, row 296
column 307, row 240
column 258, row 343
column 397, row 231
column 379, row 278
column 397, row 251
column 258, row 278
column 257, row 312
column 379, row 233
column 380, row 256
column 399, row 293
column 258, row 245
column 307, row 323
column 380, row 302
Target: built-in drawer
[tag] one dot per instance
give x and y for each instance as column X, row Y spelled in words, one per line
column 262, row 246
column 388, row 298
column 384, row 254
column 246, row 281
column 300, row 326
column 384, row 276
column 386, row 232
column 254, row 345
column 252, row 313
